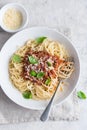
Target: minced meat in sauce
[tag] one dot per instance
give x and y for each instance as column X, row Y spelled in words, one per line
column 42, row 57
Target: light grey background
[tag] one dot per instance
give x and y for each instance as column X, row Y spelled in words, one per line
column 69, row 16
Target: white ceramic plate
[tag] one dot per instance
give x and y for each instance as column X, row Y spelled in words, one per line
column 18, row 40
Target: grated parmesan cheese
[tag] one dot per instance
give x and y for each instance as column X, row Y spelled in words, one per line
column 12, row 19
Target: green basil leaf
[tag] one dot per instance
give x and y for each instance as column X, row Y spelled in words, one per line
column 81, row 95
column 48, row 63
column 16, row 58
column 40, row 39
column 40, row 74
column 33, row 73
column 32, row 60
column 48, row 81
column 27, row 94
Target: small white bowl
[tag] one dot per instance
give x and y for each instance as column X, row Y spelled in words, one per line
column 18, row 7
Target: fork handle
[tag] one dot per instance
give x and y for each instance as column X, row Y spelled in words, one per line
column 46, row 112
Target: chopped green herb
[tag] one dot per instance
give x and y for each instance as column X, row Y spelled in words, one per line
column 16, row 58
column 48, row 81
column 32, row 60
column 40, row 39
column 81, row 95
column 40, row 74
column 48, row 63
column 27, row 94
column 33, row 73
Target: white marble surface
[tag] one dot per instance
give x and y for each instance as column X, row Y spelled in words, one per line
column 70, row 15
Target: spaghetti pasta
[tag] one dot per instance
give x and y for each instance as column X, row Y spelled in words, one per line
column 25, row 75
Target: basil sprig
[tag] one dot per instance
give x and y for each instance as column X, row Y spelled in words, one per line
column 33, row 73
column 16, row 58
column 37, row 74
column 81, row 95
column 40, row 75
column 47, row 82
column 48, row 63
column 40, row 39
column 32, row 60
column 27, row 94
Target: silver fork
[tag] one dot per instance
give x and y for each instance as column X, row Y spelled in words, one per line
column 46, row 112
column 70, row 59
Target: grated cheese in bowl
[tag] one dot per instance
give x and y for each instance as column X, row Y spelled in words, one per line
column 12, row 19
